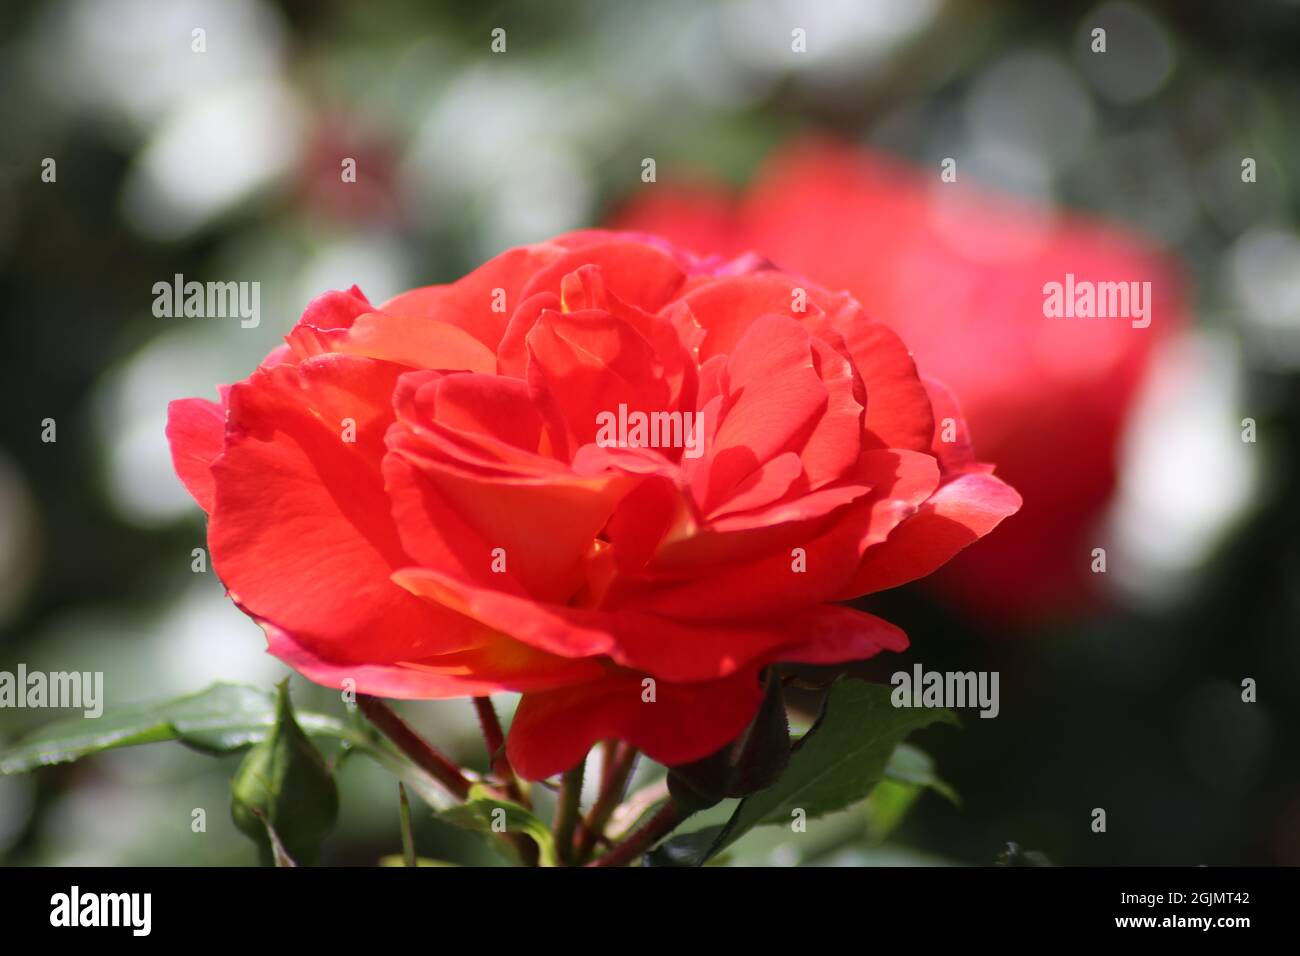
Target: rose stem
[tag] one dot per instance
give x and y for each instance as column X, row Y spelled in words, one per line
column 404, row 818
column 440, row 767
column 567, row 807
column 413, row 745
column 496, row 748
column 620, row 758
column 621, row 854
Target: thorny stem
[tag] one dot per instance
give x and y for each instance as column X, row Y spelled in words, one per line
column 419, row 750
column 567, row 809
column 495, row 740
column 619, row 759
column 659, row 826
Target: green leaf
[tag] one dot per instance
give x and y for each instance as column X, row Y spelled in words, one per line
column 283, row 796
column 837, row 763
column 484, row 813
column 221, row 719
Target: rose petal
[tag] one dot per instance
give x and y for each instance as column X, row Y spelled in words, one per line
column 960, row 513
column 498, row 665
column 552, row 731
column 673, row 650
column 301, row 531
column 761, row 574
column 583, row 365
column 481, row 302
column 195, row 432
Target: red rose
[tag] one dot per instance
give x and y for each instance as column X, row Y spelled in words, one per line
column 960, row 272
column 429, row 497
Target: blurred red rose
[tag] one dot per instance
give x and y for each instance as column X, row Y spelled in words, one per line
column 447, row 495
column 959, row 272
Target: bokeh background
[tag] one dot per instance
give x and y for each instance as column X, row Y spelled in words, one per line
column 225, row 165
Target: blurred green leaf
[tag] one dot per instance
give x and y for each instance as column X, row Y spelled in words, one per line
column 909, row 764
column 887, row 805
column 909, row 773
column 838, row 762
column 221, row 719
column 484, row 813
column 283, row 795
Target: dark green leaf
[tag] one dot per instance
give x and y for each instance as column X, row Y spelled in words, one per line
column 837, row 763
column 689, row 849
column 221, row 719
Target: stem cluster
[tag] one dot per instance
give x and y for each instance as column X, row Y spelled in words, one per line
column 578, row 837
